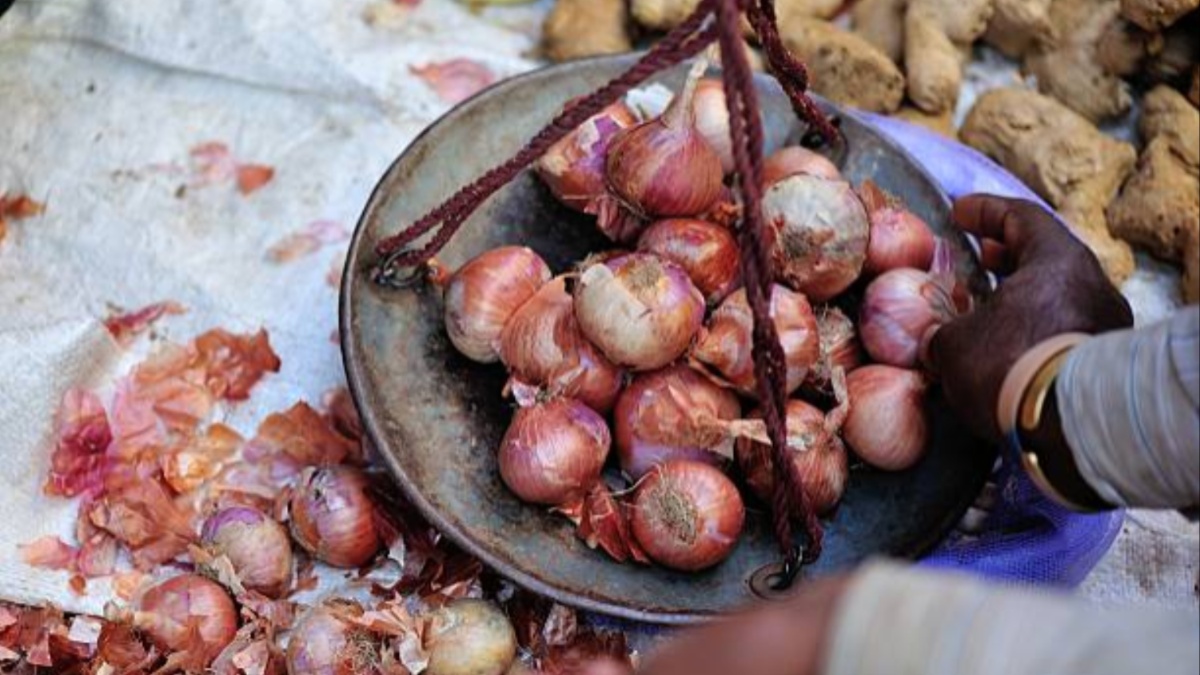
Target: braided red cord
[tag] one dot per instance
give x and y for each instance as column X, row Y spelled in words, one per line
column 770, row 365
column 788, row 70
column 680, row 44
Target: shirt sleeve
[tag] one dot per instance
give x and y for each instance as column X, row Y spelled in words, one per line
column 903, row 621
column 1130, row 408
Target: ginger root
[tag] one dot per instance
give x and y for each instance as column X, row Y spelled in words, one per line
column 1154, row 15
column 844, row 68
column 1194, row 92
column 1070, row 70
column 667, row 14
column 936, row 32
column 1159, row 206
column 578, row 28
column 1061, row 156
column 881, row 22
column 940, row 124
column 1020, row 25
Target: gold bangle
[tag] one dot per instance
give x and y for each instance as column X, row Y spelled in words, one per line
column 1022, row 402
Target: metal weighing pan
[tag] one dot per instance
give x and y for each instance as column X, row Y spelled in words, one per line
column 437, row 418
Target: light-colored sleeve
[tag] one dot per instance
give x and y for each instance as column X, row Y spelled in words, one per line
column 902, row 621
column 1130, row 408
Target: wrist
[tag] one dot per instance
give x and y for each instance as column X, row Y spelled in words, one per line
column 1031, row 429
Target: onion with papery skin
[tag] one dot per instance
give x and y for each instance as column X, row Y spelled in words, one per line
column 901, row 311
column 662, row 168
column 333, row 518
column 712, row 119
column 470, row 637
column 554, row 451
column 673, row 413
column 325, row 644
column 687, row 515
column 794, row 159
column 256, row 544
column 817, row 232
column 482, row 295
column 707, row 252
column 188, row 613
column 573, row 168
column 542, row 346
column 816, row 451
column 839, row 349
column 887, row 426
column 726, row 344
column 641, row 311
column 898, row 237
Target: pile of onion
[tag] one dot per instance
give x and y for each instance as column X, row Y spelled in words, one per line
column 573, row 168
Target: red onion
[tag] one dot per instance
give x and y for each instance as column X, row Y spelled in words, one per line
column 900, row 312
column 542, row 346
column 898, row 237
column 712, row 119
column 188, row 613
column 553, row 451
column 726, row 344
column 663, row 168
column 818, row 232
column 673, row 413
column 333, row 517
column 484, row 293
column 573, row 168
column 707, row 252
column 257, row 546
column 886, row 426
column 794, row 159
column 817, row 453
column 642, row 312
column 687, row 515
column 839, row 349
column 323, row 643
column 470, row 637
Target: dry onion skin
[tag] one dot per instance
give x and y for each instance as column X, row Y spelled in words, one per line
column 573, row 168
column 188, row 614
column 687, row 515
column 256, row 544
column 640, row 310
column 726, row 347
column 482, row 295
column 818, row 232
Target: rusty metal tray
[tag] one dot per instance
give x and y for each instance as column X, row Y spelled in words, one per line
column 436, row 418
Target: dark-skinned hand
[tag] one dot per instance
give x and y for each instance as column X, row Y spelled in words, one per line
column 1050, row 284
